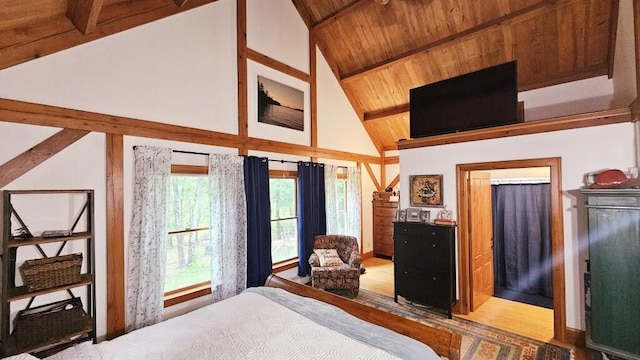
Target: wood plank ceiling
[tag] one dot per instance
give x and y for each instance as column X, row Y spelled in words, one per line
column 380, row 51
column 377, row 51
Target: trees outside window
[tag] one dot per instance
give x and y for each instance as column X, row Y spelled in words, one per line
column 188, row 244
column 284, row 216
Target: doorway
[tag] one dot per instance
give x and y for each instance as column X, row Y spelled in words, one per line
column 465, row 245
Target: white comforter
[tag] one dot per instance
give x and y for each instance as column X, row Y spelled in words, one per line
column 247, row 326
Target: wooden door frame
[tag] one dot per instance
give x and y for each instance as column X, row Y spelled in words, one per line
column 557, row 235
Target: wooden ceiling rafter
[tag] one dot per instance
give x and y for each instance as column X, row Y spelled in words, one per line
column 180, row 3
column 84, row 14
column 54, row 35
column 336, row 15
column 448, row 40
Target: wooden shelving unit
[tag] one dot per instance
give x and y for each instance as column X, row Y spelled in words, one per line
column 84, row 329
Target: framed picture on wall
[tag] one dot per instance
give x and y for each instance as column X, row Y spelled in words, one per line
column 280, row 105
column 425, row 190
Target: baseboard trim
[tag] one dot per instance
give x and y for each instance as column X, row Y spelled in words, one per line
column 575, row 337
column 366, row 256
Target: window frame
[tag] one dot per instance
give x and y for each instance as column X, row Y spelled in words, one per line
column 287, row 174
column 192, row 291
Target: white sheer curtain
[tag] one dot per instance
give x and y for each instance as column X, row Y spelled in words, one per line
column 354, row 203
column 146, row 251
column 331, row 200
column 228, row 226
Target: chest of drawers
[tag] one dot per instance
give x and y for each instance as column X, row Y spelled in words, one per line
column 424, row 264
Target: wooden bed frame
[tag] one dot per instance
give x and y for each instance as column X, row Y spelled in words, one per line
column 443, row 342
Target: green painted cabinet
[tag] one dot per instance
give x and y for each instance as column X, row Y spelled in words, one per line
column 613, row 319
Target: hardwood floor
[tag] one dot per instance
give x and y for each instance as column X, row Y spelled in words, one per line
column 526, row 320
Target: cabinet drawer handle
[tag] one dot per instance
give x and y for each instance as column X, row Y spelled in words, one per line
column 434, row 278
column 406, row 242
column 433, row 233
column 434, row 245
column 405, row 230
column 406, row 272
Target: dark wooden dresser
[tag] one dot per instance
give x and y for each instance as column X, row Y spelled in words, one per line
column 424, row 264
column 384, row 214
column 613, row 302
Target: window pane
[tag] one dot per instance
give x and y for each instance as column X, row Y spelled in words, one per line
column 282, row 194
column 188, row 259
column 284, row 240
column 188, row 252
column 284, row 221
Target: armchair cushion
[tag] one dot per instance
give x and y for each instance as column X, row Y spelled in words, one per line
column 328, row 257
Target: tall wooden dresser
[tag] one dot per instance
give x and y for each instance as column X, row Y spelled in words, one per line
column 613, row 317
column 384, row 214
column 424, row 264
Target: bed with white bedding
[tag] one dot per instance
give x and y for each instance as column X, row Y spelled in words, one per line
column 272, row 323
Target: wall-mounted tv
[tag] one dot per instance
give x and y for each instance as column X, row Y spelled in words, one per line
column 481, row 99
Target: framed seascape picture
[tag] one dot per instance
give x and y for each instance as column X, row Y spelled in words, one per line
column 425, row 190
column 280, row 105
column 413, row 215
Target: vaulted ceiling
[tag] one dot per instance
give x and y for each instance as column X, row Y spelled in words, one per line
column 378, row 51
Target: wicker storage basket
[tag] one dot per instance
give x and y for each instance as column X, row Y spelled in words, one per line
column 40, row 274
column 49, row 323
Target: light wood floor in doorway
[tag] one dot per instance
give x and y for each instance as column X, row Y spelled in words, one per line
column 527, row 320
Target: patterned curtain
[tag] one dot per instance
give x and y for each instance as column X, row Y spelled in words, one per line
column 354, row 203
column 147, row 238
column 229, row 226
column 331, row 198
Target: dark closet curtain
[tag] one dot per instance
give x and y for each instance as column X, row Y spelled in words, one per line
column 312, row 218
column 256, row 187
column 522, row 238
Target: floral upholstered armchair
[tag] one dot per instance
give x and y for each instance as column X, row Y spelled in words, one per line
column 335, row 263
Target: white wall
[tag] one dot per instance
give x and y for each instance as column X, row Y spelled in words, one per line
column 581, row 151
column 179, row 70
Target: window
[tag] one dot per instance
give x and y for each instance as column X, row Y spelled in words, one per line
column 188, row 244
column 284, row 215
column 341, row 202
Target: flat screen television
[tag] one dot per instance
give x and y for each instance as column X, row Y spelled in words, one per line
column 481, row 99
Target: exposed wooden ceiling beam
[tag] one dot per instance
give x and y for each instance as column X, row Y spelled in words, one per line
column 336, row 15
column 180, row 3
column 304, row 13
column 58, row 39
column 448, row 40
column 46, row 115
column 385, row 113
column 84, row 14
column 38, row 154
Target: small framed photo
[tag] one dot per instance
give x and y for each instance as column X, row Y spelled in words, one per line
column 413, row 215
column 425, row 190
column 425, row 216
column 401, row 215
